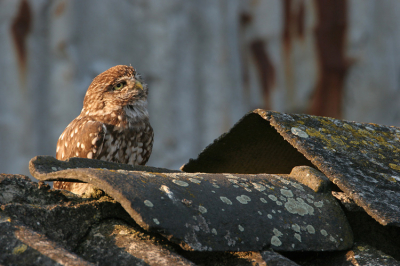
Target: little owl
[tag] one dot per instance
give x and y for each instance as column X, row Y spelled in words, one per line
column 112, row 126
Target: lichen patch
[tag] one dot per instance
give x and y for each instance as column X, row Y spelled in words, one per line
column 226, row 200
column 298, row 207
column 263, row 200
column 287, row 193
column 259, row 187
column 148, row 203
column 243, row 199
column 194, row 180
column 202, row 209
column 298, row 132
column 180, row 183
column 310, row 229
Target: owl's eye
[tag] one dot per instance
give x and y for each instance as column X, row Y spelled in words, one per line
column 119, row 86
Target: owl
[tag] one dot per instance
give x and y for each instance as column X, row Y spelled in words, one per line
column 112, row 126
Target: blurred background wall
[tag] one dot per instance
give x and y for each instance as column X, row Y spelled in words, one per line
column 207, row 63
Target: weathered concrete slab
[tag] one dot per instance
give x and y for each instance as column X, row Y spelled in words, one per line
column 362, row 159
column 47, row 211
column 41, row 226
column 219, row 212
column 272, row 258
column 118, row 244
column 19, row 245
column 360, row 254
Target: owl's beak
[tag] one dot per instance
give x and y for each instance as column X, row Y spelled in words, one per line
column 138, row 85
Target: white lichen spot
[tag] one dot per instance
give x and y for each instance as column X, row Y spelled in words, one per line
column 297, row 236
column 323, row 232
column 263, row 200
column 194, row 180
column 298, row 186
column 243, row 199
column 54, row 168
column 273, row 211
column 272, row 197
column 235, row 186
column 298, row 132
column 275, row 241
column 202, row 209
column 331, row 238
column 319, row 204
column 213, row 191
column 278, row 203
column 241, row 228
column 226, row 200
column 309, row 200
column 180, row 183
column 169, row 193
column 259, row 187
column 310, row 229
column 296, row 228
column 298, row 207
column 214, row 231
column 269, row 216
column 156, row 221
column 148, row 203
column 248, row 189
column 215, row 185
column 260, row 213
column 277, row 232
column 231, row 176
column 287, row 193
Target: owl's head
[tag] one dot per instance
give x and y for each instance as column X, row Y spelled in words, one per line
column 114, row 89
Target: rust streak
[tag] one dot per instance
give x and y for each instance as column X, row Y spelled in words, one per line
column 60, row 9
column 245, row 18
column 330, row 38
column 20, row 29
column 265, row 69
column 287, row 21
column 300, row 20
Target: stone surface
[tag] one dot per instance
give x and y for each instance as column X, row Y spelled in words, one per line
column 20, row 245
column 62, row 219
column 41, row 226
column 113, row 239
column 214, row 209
column 363, row 160
column 272, row 258
column 360, row 254
column 368, row 230
column 311, row 177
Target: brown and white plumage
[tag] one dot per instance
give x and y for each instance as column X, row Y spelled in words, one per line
column 113, row 124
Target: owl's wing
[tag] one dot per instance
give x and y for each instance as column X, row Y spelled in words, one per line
column 82, row 138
